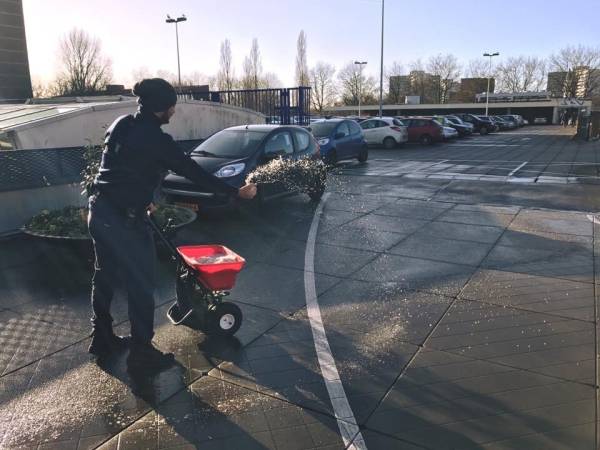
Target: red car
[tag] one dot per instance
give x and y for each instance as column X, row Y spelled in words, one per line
column 423, row 130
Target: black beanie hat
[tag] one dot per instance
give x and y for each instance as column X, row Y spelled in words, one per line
column 155, row 94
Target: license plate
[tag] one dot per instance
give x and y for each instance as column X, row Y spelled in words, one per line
column 192, row 206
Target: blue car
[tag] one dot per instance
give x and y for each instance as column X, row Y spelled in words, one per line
column 340, row 139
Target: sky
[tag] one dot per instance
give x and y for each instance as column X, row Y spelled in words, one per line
column 134, row 34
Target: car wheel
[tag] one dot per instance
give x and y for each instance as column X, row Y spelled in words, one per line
column 363, row 155
column 483, row 131
column 425, row 139
column 331, row 158
column 389, row 143
column 223, row 319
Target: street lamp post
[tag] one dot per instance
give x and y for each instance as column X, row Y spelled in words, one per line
column 381, row 63
column 487, row 95
column 360, row 66
column 181, row 18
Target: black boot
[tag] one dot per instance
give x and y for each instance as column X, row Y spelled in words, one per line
column 148, row 358
column 105, row 341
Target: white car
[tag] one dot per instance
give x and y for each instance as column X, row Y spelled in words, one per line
column 386, row 131
column 449, row 133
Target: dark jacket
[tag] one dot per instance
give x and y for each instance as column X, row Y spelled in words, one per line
column 136, row 155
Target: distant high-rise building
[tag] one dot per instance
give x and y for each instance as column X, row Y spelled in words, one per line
column 470, row 87
column 417, row 83
column 588, row 82
column 556, row 84
column 15, row 80
column 581, row 82
column 399, row 88
column 426, row 86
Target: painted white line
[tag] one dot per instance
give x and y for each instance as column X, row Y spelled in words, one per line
column 517, row 169
column 347, row 424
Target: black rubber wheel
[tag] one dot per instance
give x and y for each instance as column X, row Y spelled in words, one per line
column 389, row 143
column 363, row 155
column 483, row 131
column 425, row 139
column 331, row 158
column 223, row 319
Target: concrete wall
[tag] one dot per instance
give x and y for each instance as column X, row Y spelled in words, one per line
column 19, row 206
column 192, row 120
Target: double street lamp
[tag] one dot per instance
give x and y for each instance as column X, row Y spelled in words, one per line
column 181, row 18
column 360, row 66
column 487, row 95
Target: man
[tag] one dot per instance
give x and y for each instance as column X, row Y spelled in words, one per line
column 136, row 153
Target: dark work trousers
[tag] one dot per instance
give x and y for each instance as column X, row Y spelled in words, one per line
column 124, row 251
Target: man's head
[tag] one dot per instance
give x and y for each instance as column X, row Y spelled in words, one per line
column 157, row 96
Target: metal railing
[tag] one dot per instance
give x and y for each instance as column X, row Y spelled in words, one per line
column 282, row 106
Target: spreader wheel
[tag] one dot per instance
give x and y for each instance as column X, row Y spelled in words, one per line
column 223, row 319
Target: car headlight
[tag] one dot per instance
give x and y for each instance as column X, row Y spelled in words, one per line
column 323, row 141
column 230, row 171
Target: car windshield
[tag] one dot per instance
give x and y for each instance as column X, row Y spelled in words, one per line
column 323, row 129
column 231, row 144
column 399, row 123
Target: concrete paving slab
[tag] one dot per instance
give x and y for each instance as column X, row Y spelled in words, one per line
column 520, row 339
column 388, row 223
column 487, row 218
column 25, row 338
column 413, row 209
column 415, row 273
column 553, row 222
column 440, row 249
column 456, row 402
column 277, row 288
column 541, row 294
column 463, row 232
column 360, row 238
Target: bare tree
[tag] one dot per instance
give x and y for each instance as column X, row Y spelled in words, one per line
column 270, row 80
column 140, row 73
column 195, row 79
column 252, row 68
column 84, row 69
column 354, row 84
column 226, row 75
column 582, row 67
column 39, row 88
column 302, row 75
column 479, row 68
column 522, row 74
column 169, row 76
column 393, row 87
column 322, row 86
column 445, row 69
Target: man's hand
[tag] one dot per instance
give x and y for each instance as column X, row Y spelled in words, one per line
column 151, row 208
column 247, row 192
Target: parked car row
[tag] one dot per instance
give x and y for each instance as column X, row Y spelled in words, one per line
column 233, row 153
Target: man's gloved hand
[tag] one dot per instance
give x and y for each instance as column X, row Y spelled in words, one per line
column 247, row 192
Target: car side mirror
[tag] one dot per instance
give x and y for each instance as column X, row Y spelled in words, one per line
column 339, row 135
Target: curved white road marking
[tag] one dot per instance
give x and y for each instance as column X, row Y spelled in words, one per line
column 349, row 429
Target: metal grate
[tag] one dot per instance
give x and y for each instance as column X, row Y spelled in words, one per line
column 28, row 169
